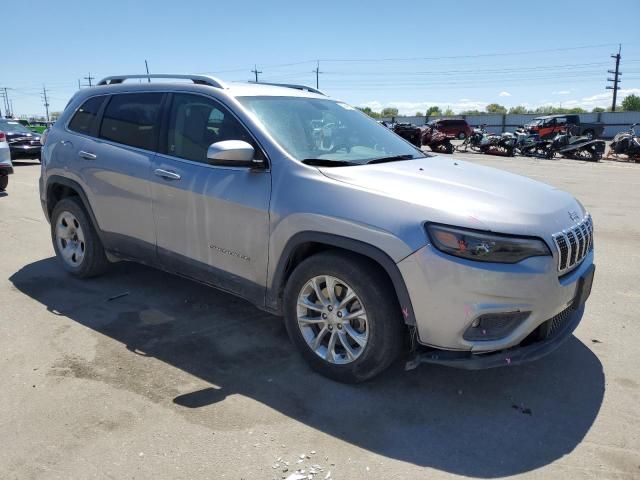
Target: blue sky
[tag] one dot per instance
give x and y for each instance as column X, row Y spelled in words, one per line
column 460, row 54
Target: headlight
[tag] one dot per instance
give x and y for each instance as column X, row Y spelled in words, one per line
column 485, row 246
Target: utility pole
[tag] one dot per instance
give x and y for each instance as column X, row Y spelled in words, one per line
column 7, row 106
column 79, row 86
column 146, row 65
column 256, row 72
column 317, row 72
column 89, row 78
column 46, row 101
column 616, row 78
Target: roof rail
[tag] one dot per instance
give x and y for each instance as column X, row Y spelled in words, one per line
column 198, row 79
column 291, row 85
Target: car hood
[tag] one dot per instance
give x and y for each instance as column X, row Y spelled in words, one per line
column 452, row 191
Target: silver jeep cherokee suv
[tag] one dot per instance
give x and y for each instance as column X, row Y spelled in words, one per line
column 311, row 210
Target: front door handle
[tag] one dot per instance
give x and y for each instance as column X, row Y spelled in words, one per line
column 87, row 155
column 166, row 174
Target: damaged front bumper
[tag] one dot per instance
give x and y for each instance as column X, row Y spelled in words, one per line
column 536, row 346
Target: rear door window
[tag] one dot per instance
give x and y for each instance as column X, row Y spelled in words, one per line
column 85, row 117
column 132, row 119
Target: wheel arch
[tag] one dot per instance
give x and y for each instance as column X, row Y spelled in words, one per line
column 59, row 187
column 305, row 244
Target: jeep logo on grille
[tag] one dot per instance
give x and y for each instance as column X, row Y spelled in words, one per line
column 574, row 216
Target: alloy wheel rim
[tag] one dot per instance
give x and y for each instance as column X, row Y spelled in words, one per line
column 332, row 319
column 70, row 239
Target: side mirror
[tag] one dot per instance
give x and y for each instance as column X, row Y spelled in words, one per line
column 43, row 136
column 231, row 152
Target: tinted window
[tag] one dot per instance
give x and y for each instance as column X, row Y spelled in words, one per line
column 195, row 122
column 132, row 119
column 83, row 120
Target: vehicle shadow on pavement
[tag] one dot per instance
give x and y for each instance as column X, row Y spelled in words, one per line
column 487, row 424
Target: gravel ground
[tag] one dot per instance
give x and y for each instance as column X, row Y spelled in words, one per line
column 140, row 374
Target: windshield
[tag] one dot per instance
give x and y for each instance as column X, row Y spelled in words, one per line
column 313, row 128
column 536, row 121
column 12, row 126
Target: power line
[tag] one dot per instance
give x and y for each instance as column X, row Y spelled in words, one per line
column 497, row 54
column 616, row 79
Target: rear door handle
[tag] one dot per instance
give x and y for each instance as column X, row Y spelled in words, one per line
column 166, row 174
column 87, row 155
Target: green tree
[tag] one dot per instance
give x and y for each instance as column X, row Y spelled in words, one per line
column 597, row 110
column 448, row 112
column 631, row 103
column 473, row 112
column 390, row 112
column 419, row 114
column 496, row 108
column 433, row 111
column 518, row 109
column 369, row 112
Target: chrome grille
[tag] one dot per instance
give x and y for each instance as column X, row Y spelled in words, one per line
column 574, row 244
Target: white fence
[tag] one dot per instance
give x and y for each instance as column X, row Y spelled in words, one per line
column 614, row 122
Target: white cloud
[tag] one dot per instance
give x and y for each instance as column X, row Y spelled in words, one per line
column 410, row 108
column 504, row 94
column 599, row 99
column 561, row 92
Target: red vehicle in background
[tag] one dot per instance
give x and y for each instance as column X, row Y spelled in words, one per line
column 452, row 127
column 549, row 126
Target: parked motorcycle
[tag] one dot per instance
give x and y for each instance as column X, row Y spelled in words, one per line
column 530, row 145
column 409, row 132
column 436, row 140
column 626, row 143
column 504, row 144
column 473, row 141
column 576, row 147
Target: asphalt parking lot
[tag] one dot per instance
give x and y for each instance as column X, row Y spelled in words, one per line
column 139, row 374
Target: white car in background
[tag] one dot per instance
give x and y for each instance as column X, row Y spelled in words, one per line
column 6, row 167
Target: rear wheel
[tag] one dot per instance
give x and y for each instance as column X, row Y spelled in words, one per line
column 4, row 181
column 75, row 240
column 340, row 315
column 462, row 136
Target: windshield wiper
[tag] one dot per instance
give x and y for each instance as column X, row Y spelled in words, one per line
column 324, row 162
column 395, row 158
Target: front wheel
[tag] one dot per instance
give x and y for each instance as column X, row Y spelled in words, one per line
column 75, row 239
column 340, row 314
column 4, row 182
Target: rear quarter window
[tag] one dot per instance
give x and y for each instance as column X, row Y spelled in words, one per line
column 85, row 117
column 132, row 119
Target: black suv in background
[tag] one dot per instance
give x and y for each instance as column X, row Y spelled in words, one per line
column 23, row 143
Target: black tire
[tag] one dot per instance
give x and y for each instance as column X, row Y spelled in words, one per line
column 384, row 319
column 448, row 148
column 4, row 182
column 94, row 261
column 590, row 134
column 462, row 136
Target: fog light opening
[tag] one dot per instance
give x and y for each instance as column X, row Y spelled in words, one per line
column 494, row 326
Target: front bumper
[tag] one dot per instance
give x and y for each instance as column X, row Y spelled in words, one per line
column 517, row 355
column 25, row 151
column 448, row 293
